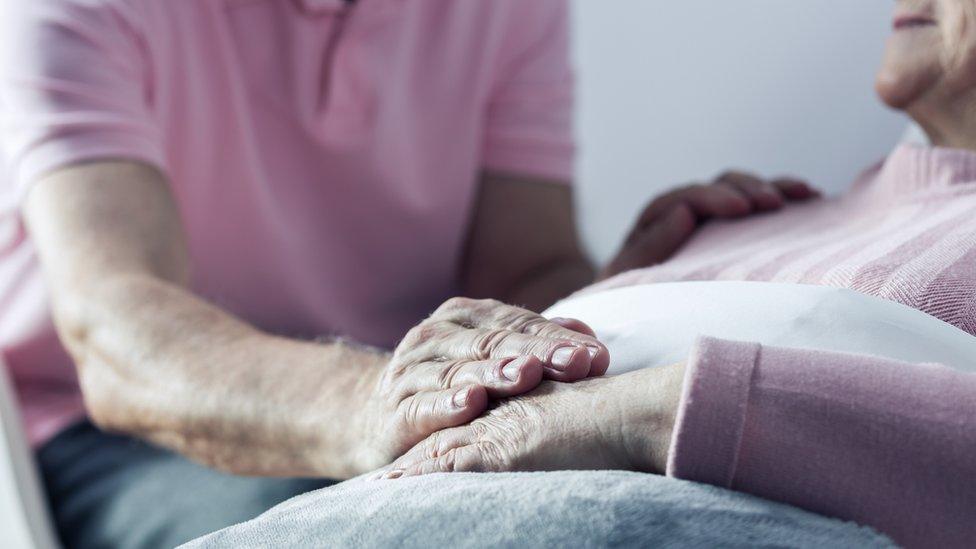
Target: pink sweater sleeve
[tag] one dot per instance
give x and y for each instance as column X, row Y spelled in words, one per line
column 887, row 444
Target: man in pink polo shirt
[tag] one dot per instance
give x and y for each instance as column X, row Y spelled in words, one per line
column 196, row 192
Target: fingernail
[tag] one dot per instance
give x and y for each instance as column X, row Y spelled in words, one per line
column 511, row 371
column 460, row 398
column 390, row 475
column 593, row 350
column 563, row 357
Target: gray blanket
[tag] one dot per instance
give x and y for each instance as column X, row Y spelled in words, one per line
column 564, row 509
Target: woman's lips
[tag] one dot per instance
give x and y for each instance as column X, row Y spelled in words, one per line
column 912, row 21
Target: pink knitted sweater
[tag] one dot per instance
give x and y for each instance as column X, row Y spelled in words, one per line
column 906, row 231
column 887, row 444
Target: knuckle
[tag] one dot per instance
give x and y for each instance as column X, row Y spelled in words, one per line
column 411, row 411
column 483, row 305
column 449, row 373
column 526, row 322
column 447, row 462
column 753, row 182
column 465, row 307
column 426, row 331
column 543, row 347
column 479, row 430
column 493, row 371
column 489, row 307
column 395, row 371
column 458, row 303
column 432, row 447
column 422, row 334
column 452, row 305
column 489, row 342
column 510, row 317
column 726, row 186
column 736, row 174
column 417, row 410
column 413, row 337
column 493, row 456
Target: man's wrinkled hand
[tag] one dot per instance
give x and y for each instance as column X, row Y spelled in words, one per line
column 447, row 368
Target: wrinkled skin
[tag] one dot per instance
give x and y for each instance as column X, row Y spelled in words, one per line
column 929, row 68
column 557, row 426
column 929, row 71
column 622, row 422
column 495, row 351
column 598, row 423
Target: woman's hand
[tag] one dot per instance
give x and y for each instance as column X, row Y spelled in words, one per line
column 622, row 422
column 671, row 219
column 449, row 366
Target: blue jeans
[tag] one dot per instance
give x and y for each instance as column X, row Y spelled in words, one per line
column 115, row 491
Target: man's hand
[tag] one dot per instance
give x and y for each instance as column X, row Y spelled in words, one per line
column 468, row 351
column 623, row 422
column 157, row 362
column 671, row 219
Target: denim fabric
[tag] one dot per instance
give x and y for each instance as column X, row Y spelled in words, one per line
column 114, row 491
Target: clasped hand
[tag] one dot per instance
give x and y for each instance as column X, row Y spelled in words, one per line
column 444, row 373
column 447, row 368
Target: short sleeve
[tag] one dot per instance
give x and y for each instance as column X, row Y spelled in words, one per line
column 529, row 126
column 74, row 87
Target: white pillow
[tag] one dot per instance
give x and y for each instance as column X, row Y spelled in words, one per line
column 657, row 324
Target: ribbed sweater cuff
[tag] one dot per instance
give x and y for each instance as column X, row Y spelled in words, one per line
column 712, row 411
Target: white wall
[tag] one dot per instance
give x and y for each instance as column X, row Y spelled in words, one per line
column 673, row 91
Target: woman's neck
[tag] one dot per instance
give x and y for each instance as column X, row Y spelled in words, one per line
column 948, row 124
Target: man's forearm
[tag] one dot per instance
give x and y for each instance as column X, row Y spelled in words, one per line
column 541, row 288
column 159, row 363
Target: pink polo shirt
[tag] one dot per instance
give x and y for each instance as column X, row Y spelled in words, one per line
column 324, row 159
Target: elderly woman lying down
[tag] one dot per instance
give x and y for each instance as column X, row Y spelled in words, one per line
column 880, row 436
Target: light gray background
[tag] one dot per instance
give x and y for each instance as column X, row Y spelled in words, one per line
column 673, row 91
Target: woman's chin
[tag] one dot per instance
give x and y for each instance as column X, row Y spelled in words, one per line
column 911, row 67
column 891, row 95
column 900, row 91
